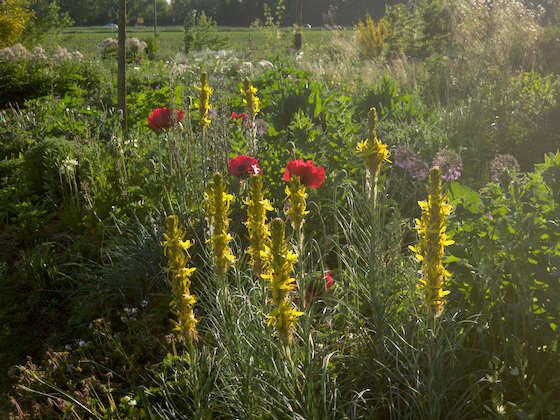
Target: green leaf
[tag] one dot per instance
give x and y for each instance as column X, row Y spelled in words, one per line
column 461, row 193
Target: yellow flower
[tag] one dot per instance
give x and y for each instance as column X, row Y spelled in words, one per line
column 217, row 211
column 204, row 97
column 280, row 260
column 374, row 153
column 372, row 150
column 250, row 99
column 259, row 233
column 182, row 303
column 296, row 196
column 431, row 229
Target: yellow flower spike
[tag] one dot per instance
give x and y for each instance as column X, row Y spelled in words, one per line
column 204, row 97
column 296, row 196
column 250, row 100
column 217, row 211
column 374, row 153
column 259, row 234
column 431, row 229
column 182, row 303
column 280, row 260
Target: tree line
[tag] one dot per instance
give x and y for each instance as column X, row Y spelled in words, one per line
column 224, row 12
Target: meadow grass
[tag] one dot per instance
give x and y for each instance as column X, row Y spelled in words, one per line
column 170, row 38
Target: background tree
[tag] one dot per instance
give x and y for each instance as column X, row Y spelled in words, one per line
column 47, row 17
column 14, row 16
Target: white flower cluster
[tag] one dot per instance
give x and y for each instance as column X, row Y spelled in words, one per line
column 62, row 54
column 109, row 47
column 18, row 52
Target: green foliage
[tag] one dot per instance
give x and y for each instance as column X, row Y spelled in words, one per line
column 46, row 166
column 506, row 268
column 529, row 112
column 31, row 79
column 47, row 18
column 436, row 24
column 393, row 102
column 151, row 47
column 307, row 115
column 200, row 32
column 14, row 17
column 21, row 82
column 275, row 37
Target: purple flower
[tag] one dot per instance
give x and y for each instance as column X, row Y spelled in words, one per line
column 404, row 157
column 450, row 164
column 260, row 126
column 419, row 170
column 503, row 163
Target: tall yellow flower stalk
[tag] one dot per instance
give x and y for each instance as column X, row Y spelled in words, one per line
column 374, row 153
column 204, row 105
column 431, row 229
column 250, row 99
column 182, row 304
column 297, row 199
column 280, row 260
column 217, row 211
column 259, row 233
column 251, row 102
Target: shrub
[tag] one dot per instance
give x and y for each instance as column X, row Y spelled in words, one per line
column 46, row 164
column 371, row 36
column 13, row 18
column 201, row 32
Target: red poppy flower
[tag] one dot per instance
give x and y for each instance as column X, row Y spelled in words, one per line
column 310, row 175
column 313, row 289
column 161, row 117
column 238, row 116
column 243, row 166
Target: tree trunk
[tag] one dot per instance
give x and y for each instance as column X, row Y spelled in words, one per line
column 299, row 23
column 121, row 61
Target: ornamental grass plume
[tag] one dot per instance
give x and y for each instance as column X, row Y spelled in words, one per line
column 182, row 303
column 431, row 229
column 374, row 153
column 280, row 259
column 217, row 211
column 204, row 97
column 259, row 233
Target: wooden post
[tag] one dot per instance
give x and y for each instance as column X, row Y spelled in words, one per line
column 155, row 19
column 121, row 61
column 299, row 23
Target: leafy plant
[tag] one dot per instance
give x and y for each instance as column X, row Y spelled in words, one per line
column 200, row 32
column 371, row 36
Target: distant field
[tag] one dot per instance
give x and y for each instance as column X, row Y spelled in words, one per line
column 170, row 38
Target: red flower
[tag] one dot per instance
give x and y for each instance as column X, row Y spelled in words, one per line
column 161, row 117
column 237, row 116
column 243, row 166
column 310, row 175
column 313, row 289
